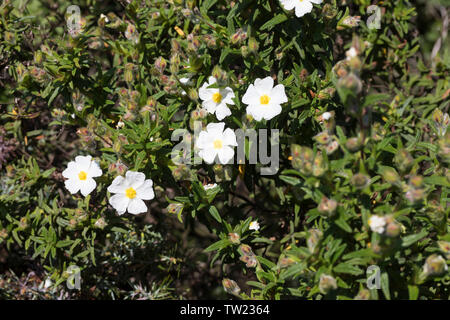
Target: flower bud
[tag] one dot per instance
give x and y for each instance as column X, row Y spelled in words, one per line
column 245, row 51
column 181, row 172
column 403, row 160
column 175, row 208
column 313, row 240
column 354, row 144
column 322, row 138
column 3, row 234
column 320, row 166
column 326, row 93
column 100, row 223
column 193, row 94
column 286, row 262
column 349, row 22
column 253, row 45
column 445, row 248
column 390, row 175
column 329, row 11
column 350, row 81
column 435, row 265
column 393, row 229
column 220, row 75
column 131, row 33
column 234, row 238
column 360, row 181
column 416, row 181
column 327, row 283
column 363, row 294
column 327, row 207
column 160, row 64
column 23, row 223
column 250, row 261
column 231, row 286
column 415, row 195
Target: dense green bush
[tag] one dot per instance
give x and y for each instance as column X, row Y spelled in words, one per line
column 364, row 149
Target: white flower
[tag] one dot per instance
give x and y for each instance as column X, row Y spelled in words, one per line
column 184, row 81
column 326, row 115
column 263, row 99
column 209, row 186
column 130, row 193
column 216, row 142
column 377, row 223
column 302, row 7
column 254, row 225
column 80, row 174
column 120, row 124
column 215, row 100
column 351, row 53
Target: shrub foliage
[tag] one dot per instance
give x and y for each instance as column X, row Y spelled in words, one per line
column 363, row 177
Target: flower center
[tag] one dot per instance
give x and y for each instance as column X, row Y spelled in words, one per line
column 82, row 175
column 218, row 144
column 217, row 97
column 130, row 193
column 264, row 99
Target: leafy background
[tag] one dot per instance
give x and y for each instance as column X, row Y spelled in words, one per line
column 385, row 150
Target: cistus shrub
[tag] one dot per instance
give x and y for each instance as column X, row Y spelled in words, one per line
column 245, row 149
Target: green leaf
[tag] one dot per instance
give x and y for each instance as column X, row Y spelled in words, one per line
column 213, row 211
column 385, row 285
column 409, row 240
column 274, row 21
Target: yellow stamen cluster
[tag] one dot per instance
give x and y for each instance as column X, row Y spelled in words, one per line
column 130, row 193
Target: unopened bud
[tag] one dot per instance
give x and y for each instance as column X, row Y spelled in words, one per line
column 435, row 265
column 100, row 223
column 231, row 286
column 253, row 45
column 360, row 181
column 403, row 160
column 327, row 207
column 313, row 240
column 327, row 283
column 174, row 208
column 354, row 144
column 234, row 238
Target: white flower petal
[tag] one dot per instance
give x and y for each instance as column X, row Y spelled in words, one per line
column 204, row 93
column 208, row 155
column 135, row 179
column 212, row 80
column 210, row 106
column 278, row 95
column 316, row 1
column 253, row 111
column 72, row 170
column 84, row 162
column 215, row 128
column 288, row 4
column 72, row 185
column 225, row 154
column 251, row 96
column 264, row 86
column 87, row 186
column 272, row 111
column 94, row 170
column 229, row 137
column 136, row 206
column 118, row 185
column 222, row 111
column 303, row 8
column 145, row 191
column 119, row 202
